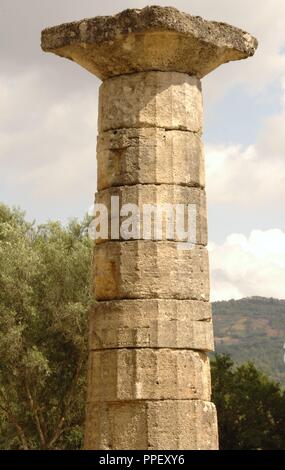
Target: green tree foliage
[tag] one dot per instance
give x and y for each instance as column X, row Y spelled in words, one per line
column 44, row 302
column 251, row 408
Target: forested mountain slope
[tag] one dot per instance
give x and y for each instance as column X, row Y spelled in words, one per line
column 252, row 329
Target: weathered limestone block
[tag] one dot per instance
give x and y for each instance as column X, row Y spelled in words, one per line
column 146, row 269
column 154, row 38
column 151, row 99
column 148, row 374
column 150, row 425
column 149, row 155
column 160, row 225
column 171, row 309
column 155, row 323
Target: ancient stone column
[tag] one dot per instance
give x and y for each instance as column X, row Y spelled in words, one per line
column 149, row 381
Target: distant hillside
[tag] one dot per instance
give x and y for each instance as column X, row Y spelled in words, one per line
column 252, row 329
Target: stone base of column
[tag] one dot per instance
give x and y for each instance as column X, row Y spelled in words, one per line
column 150, row 425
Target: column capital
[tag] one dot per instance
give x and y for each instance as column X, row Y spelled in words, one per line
column 154, row 38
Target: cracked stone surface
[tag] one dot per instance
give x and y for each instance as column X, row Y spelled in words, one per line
column 145, row 269
column 168, row 100
column 148, row 374
column 159, row 226
column 154, row 38
column 154, row 323
column 164, row 425
column 149, row 156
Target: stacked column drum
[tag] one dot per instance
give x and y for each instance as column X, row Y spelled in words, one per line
column 149, row 384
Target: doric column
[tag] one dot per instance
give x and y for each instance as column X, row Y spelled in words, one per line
column 149, row 381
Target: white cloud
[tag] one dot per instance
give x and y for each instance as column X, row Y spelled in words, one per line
column 47, row 145
column 244, row 176
column 271, row 138
column 252, row 176
column 246, row 266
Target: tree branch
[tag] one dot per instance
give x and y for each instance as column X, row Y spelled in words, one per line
column 13, row 420
column 34, row 410
column 70, row 397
